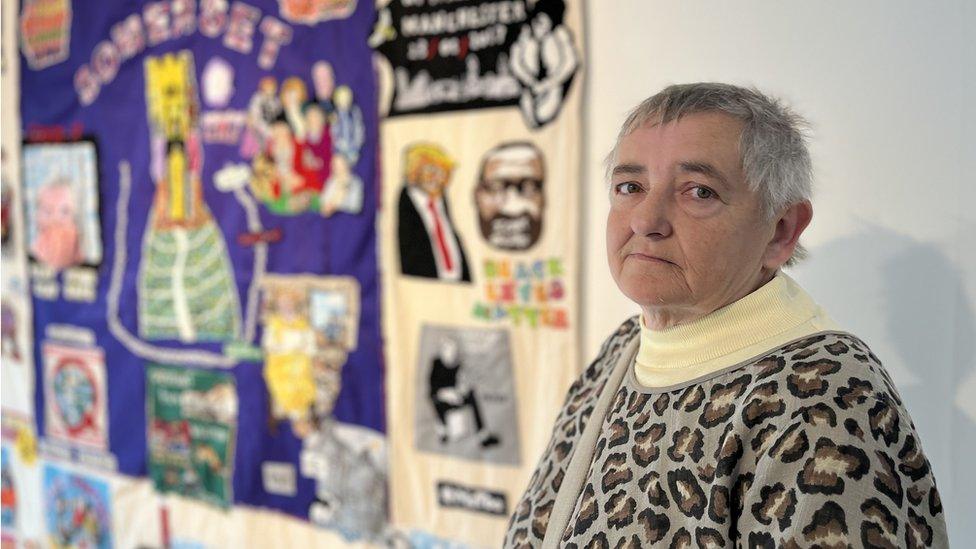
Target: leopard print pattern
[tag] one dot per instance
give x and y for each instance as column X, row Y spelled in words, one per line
column 807, row 446
column 532, row 512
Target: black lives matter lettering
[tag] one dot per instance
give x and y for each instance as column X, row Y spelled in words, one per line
column 450, row 55
column 471, row 499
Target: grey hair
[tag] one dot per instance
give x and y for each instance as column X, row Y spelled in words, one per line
column 773, row 143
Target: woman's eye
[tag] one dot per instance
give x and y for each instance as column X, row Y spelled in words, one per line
column 627, row 188
column 703, row 193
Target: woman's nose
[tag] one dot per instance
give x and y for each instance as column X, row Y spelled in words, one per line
column 652, row 216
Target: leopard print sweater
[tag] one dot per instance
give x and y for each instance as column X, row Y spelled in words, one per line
column 809, row 445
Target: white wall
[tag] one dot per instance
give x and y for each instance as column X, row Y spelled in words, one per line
column 888, row 87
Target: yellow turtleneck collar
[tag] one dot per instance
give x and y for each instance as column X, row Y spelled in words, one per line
column 777, row 313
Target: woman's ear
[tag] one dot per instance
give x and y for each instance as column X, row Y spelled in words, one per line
column 790, row 225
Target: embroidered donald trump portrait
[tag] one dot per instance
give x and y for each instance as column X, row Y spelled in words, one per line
column 429, row 244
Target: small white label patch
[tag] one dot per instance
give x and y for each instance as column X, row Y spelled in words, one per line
column 279, row 478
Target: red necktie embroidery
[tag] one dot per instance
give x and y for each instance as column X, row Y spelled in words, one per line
column 439, row 233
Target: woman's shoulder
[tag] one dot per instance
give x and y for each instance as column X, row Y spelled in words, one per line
column 822, row 413
column 612, row 347
column 832, row 368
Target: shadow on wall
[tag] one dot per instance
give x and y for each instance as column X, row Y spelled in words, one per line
column 907, row 300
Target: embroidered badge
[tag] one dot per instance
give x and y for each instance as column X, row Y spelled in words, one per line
column 76, row 400
column 466, row 404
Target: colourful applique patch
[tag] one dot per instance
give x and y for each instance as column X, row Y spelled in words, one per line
column 426, row 232
column 78, row 510
column 192, row 430
column 524, row 294
column 45, row 32
column 187, row 290
column 489, row 54
column 75, row 394
column 510, row 196
column 466, row 403
column 310, row 12
column 18, row 431
column 21, row 508
column 8, row 495
column 349, row 466
column 304, row 145
column 310, row 327
column 61, row 204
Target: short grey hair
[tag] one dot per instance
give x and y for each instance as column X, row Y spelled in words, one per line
column 772, row 146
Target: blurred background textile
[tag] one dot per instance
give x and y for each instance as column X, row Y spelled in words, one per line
column 282, row 272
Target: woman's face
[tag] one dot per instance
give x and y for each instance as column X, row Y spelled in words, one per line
column 315, row 119
column 281, row 134
column 55, row 206
column 289, row 304
column 291, row 95
column 685, row 233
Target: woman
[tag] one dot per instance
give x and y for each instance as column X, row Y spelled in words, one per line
column 733, row 410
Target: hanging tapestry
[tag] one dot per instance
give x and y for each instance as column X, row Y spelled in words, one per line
column 199, row 192
column 479, row 241
column 198, row 208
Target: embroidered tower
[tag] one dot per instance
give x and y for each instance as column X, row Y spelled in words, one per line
column 186, row 286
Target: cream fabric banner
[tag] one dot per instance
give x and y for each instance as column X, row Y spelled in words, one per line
column 480, row 151
column 18, row 376
column 20, row 467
